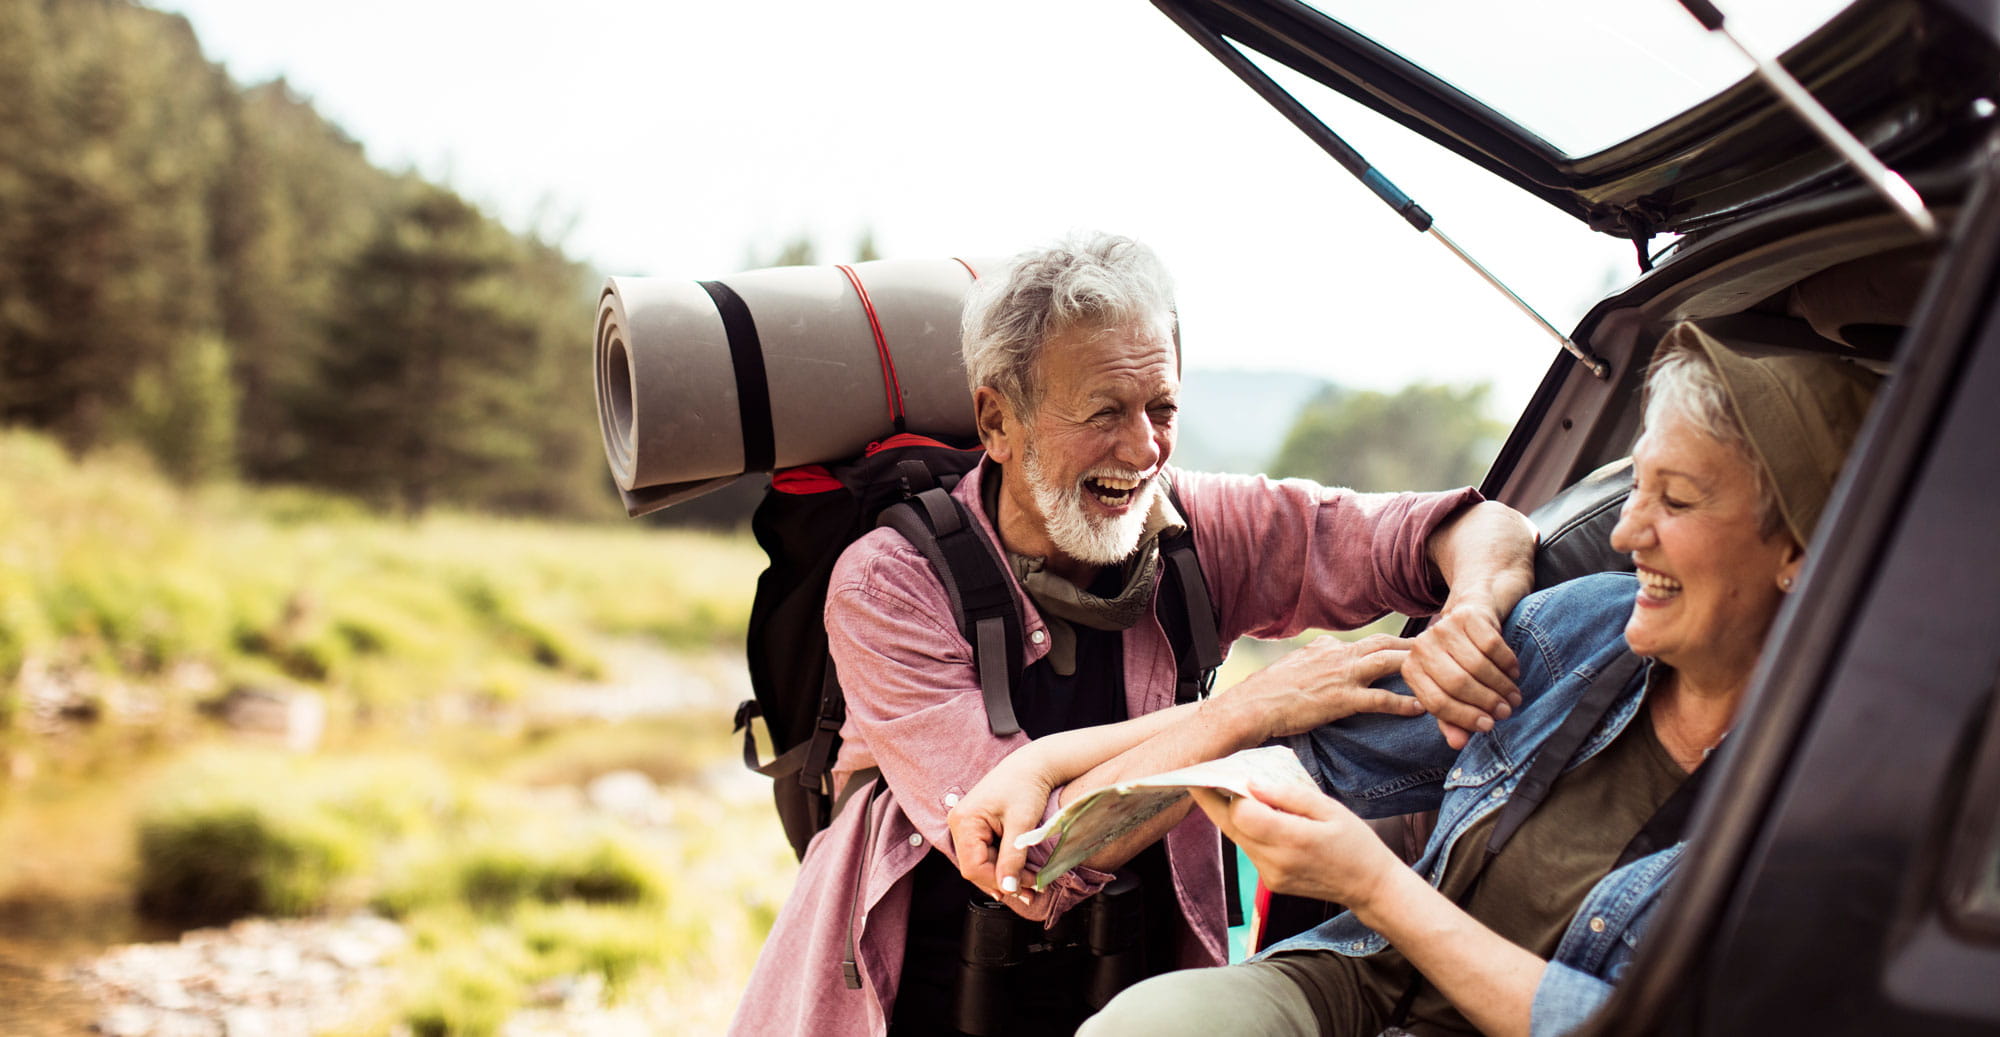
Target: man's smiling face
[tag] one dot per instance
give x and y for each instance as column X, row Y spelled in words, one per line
column 1091, row 452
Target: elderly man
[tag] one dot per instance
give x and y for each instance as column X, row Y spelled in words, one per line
column 1071, row 355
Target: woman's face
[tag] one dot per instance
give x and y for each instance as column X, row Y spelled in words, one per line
column 1709, row 583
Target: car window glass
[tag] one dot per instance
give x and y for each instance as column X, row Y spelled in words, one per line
column 1581, row 74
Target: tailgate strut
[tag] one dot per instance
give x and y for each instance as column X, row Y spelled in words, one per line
column 1351, row 160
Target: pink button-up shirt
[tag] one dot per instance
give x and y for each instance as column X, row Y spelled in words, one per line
column 1279, row 558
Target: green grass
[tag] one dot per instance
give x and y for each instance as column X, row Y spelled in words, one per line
column 106, row 567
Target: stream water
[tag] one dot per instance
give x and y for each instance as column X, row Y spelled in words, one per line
column 66, row 809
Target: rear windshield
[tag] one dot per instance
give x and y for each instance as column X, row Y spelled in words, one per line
column 1581, row 74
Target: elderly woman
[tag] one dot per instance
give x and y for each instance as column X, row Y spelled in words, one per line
column 1554, row 840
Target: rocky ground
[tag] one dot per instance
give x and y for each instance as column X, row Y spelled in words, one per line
column 256, row 978
column 261, row 978
column 297, row 978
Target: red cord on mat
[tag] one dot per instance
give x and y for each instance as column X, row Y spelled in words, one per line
column 890, row 385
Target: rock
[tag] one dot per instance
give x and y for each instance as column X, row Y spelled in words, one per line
column 126, row 1021
column 247, row 1022
column 294, row 717
column 256, row 978
column 625, row 794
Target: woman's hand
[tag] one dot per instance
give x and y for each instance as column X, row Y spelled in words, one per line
column 1323, row 682
column 1304, row 842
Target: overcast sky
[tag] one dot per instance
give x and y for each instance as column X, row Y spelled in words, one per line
column 673, row 138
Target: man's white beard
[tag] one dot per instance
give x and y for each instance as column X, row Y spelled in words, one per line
column 1073, row 529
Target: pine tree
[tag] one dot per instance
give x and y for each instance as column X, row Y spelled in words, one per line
column 421, row 392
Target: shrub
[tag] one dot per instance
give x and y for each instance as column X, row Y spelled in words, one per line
column 206, row 866
column 499, row 873
column 236, row 833
column 464, row 989
column 619, row 944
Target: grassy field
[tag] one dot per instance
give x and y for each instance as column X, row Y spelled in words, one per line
column 127, row 603
column 111, row 578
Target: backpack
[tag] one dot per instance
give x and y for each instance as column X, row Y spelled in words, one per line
column 810, row 514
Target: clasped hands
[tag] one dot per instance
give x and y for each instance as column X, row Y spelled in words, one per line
column 1460, row 670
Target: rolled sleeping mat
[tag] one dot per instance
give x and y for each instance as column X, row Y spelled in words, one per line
column 700, row 382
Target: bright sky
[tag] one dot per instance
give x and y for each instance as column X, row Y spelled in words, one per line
column 671, row 138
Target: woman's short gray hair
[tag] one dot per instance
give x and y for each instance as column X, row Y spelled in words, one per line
column 1682, row 382
column 1098, row 281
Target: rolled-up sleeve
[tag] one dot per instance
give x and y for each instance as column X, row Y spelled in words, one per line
column 1564, row 1000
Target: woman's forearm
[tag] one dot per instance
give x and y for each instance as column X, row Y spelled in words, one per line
column 1487, row 977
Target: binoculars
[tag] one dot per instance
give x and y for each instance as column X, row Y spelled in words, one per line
column 1017, row 978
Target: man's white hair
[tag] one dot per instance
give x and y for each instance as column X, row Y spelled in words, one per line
column 1100, row 281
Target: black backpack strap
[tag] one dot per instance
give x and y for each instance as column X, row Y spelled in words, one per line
column 850, row 968
column 1197, row 654
column 979, row 589
column 826, row 734
column 1184, row 592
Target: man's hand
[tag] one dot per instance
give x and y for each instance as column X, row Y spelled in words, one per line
column 1323, row 682
column 1463, row 672
column 1009, row 800
column 1303, row 842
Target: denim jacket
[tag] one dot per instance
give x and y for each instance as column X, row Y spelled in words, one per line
column 1381, row 766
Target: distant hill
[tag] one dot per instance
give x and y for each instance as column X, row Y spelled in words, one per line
column 1235, row 421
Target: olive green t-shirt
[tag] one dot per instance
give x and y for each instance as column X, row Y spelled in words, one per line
column 1527, row 893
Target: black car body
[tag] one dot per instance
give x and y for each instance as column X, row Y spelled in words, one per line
column 1844, row 875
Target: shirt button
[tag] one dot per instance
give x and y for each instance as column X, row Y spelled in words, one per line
column 951, row 799
column 1597, row 925
column 1038, row 636
column 916, row 839
column 1357, row 945
column 1457, row 773
column 1497, row 793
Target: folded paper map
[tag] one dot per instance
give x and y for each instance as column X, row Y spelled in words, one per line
column 1089, row 824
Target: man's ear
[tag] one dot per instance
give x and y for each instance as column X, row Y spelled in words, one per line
column 995, row 420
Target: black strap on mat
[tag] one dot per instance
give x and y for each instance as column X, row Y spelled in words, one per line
column 753, row 389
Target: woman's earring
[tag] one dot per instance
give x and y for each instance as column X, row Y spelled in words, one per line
column 1785, row 584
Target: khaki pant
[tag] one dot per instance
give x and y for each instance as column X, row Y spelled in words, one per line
column 1250, row 1000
